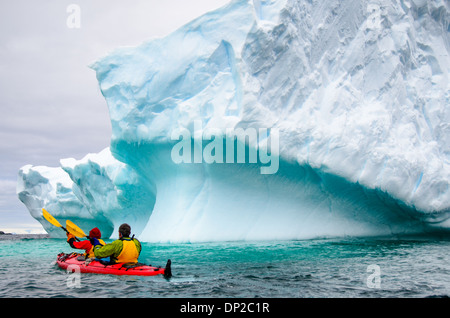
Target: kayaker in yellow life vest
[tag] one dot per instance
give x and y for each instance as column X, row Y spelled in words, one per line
column 123, row 250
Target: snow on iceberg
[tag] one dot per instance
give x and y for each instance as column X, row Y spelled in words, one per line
column 354, row 94
column 50, row 188
column 97, row 191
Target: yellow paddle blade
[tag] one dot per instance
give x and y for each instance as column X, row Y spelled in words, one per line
column 50, row 218
column 75, row 230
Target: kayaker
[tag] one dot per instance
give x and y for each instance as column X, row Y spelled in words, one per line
column 123, row 250
column 86, row 244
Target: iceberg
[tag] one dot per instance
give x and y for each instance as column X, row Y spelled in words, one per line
column 50, row 188
column 342, row 113
column 97, row 191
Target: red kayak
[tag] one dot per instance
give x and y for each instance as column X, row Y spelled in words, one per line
column 76, row 262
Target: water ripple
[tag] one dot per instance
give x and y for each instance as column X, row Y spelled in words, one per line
column 319, row 268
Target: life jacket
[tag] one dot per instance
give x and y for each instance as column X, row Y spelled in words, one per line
column 90, row 252
column 129, row 252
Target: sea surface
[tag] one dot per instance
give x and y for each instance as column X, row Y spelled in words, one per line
column 323, row 268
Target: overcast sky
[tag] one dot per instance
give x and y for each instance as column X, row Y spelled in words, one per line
column 50, row 104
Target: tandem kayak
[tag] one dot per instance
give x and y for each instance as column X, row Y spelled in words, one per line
column 75, row 261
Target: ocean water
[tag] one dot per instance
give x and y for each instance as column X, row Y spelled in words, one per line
column 325, row 268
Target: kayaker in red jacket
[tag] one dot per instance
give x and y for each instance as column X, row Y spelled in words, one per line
column 86, row 244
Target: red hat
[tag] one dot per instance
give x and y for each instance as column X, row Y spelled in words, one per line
column 95, row 232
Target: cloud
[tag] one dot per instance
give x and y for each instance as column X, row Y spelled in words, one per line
column 7, row 188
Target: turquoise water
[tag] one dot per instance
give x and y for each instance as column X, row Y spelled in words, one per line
column 367, row 268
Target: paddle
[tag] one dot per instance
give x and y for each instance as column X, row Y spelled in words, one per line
column 75, row 230
column 53, row 221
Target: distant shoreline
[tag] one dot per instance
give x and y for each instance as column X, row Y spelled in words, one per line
column 12, row 236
